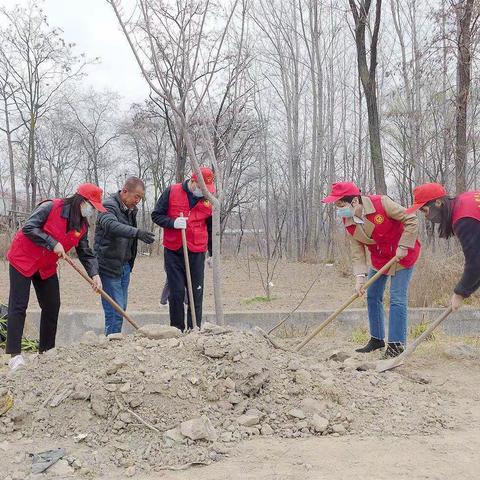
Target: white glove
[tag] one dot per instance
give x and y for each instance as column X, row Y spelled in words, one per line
column 209, row 262
column 180, row 223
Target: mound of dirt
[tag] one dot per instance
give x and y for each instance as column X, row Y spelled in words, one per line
column 145, row 405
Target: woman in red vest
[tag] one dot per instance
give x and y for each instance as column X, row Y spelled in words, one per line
column 55, row 227
column 459, row 216
column 377, row 223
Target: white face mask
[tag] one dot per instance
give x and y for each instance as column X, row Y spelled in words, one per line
column 87, row 209
column 198, row 193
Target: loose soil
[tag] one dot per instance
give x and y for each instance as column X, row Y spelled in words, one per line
column 227, row 400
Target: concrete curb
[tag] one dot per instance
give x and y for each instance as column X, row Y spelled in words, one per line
column 73, row 324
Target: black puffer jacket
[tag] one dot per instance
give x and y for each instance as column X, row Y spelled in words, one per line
column 115, row 237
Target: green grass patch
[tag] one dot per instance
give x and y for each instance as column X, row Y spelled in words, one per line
column 259, row 299
column 360, row 335
column 27, row 345
column 419, row 329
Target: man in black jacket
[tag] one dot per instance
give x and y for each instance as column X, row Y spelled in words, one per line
column 182, row 206
column 116, row 238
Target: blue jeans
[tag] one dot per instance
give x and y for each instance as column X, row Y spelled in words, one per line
column 397, row 322
column 117, row 288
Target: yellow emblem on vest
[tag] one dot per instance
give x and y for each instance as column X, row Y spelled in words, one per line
column 379, row 219
column 206, row 203
column 77, row 234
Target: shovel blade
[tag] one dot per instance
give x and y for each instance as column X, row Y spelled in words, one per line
column 385, row 365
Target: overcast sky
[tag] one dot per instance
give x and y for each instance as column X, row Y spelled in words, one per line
column 92, row 26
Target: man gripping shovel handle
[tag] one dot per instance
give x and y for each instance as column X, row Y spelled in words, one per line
column 102, row 292
column 146, row 330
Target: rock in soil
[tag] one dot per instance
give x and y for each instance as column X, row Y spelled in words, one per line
column 185, row 392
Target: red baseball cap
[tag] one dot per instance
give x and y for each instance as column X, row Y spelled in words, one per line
column 93, row 194
column 426, row 193
column 208, row 177
column 340, row 190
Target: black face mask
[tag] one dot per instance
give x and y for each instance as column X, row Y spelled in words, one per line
column 434, row 214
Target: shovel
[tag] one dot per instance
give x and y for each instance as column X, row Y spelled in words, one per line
column 339, row 310
column 384, row 365
column 104, row 294
column 191, row 302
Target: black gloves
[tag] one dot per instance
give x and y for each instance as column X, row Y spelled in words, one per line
column 146, row 237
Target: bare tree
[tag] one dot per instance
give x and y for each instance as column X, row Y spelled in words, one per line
column 7, row 91
column 39, row 63
column 95, row 125
column 59, row 153
column 465, row 26
column 185, row 25
column 367, row 72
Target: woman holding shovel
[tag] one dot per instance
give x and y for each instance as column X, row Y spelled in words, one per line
column 55, row 227
column 459, row 216
column 377, row 223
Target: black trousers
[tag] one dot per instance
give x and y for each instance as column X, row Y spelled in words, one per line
column 177, row 281
column 48, row 295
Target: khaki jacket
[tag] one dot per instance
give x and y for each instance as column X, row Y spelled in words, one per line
column 362, row 234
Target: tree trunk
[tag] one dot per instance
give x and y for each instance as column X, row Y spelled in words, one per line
column 367, row 76
column 13, row 188
column 31, row 166
column 464, row 16
column 181, row 159
column 374, row 135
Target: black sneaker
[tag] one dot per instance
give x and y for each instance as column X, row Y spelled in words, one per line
column 373, row 344
column 394, row 349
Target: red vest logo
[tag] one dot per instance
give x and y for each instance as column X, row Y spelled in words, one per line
column 379, row 219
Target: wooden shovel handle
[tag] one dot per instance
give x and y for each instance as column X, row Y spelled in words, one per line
column 189, row 280
column 102, row 292
column 339, row 310
column 413, row 346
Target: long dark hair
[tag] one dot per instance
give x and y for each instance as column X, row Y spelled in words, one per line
column 75, row 219
column 445, row 228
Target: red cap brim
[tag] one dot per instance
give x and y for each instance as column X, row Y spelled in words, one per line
column 210, row 187
column 98, row 206
column 415, row 207
column 331, row 199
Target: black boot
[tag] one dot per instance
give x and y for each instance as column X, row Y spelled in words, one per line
column 373, row 344
column 394, row 349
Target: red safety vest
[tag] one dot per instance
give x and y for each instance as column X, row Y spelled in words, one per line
column 196, row 233
column 387, row 233
column 28, row 258
column 466, row 205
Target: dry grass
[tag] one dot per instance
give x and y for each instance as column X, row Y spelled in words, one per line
column 434, row 278
column 360, row 335
column 419, row 329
